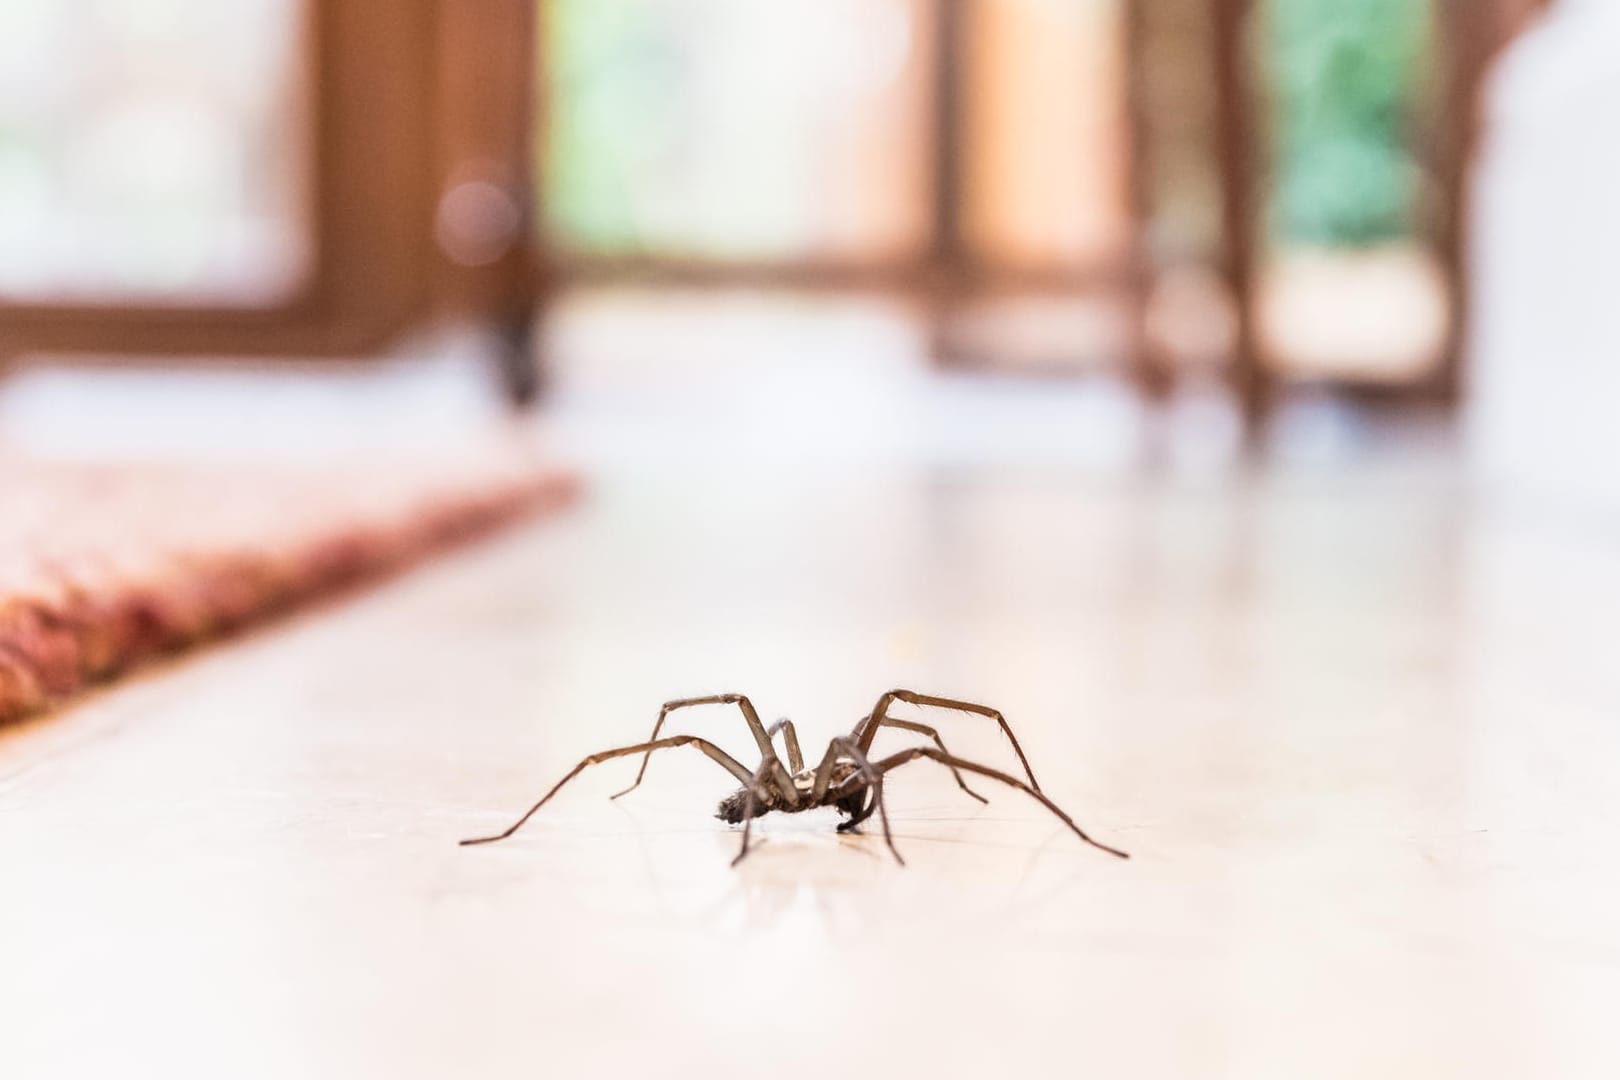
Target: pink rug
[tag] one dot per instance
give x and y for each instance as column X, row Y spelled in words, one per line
column 104, row 566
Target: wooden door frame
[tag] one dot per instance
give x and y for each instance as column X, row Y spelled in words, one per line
column 1471, row 33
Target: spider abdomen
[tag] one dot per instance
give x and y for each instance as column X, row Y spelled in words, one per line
column 732, row 807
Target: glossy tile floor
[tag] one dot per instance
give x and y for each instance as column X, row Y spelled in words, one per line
column 1354, row 721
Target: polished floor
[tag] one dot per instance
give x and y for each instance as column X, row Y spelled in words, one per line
column 1353, row 718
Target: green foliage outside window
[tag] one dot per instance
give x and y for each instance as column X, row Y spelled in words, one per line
column 609, row 65
column 1345, row 79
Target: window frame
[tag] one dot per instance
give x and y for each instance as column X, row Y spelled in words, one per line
column 369, row 97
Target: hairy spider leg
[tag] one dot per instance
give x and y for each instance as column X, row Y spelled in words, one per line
column 872, row 781
column 880, row 713
column 767, row 751
column 723, row 759
column 894, row 761
column 791, row 738
column 867, row 776
column 924, row 729
column 749, row 804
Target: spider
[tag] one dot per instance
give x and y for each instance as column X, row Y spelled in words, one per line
column 846, row 778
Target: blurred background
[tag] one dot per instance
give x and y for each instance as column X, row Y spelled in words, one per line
column 1232, row 203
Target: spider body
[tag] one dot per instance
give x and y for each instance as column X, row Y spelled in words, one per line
column 734, row 807
column 846, row 778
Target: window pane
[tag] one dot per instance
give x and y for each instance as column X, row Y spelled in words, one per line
column 152, row 151
column 1345, row 79
column 1352, row 286
column 735, row 128
column 1047, row 170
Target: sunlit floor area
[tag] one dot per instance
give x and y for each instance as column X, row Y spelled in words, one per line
column 1351, row 715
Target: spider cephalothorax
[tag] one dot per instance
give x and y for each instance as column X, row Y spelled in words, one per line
column 845, row 779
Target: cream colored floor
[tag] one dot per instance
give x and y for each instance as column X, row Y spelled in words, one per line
column 1356, row 724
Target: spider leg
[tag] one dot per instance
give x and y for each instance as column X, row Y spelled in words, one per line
column 823, row 781
column 867, row 729
column 791, row 738
column 723, row 759
column 924, row 729
column 894, row 761
column 778, row 774
column 872, row 778
column 749, row 802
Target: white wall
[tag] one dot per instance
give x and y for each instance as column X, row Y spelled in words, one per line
column 1544, row 384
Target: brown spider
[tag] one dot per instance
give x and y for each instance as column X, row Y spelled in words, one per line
column 845, row 779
